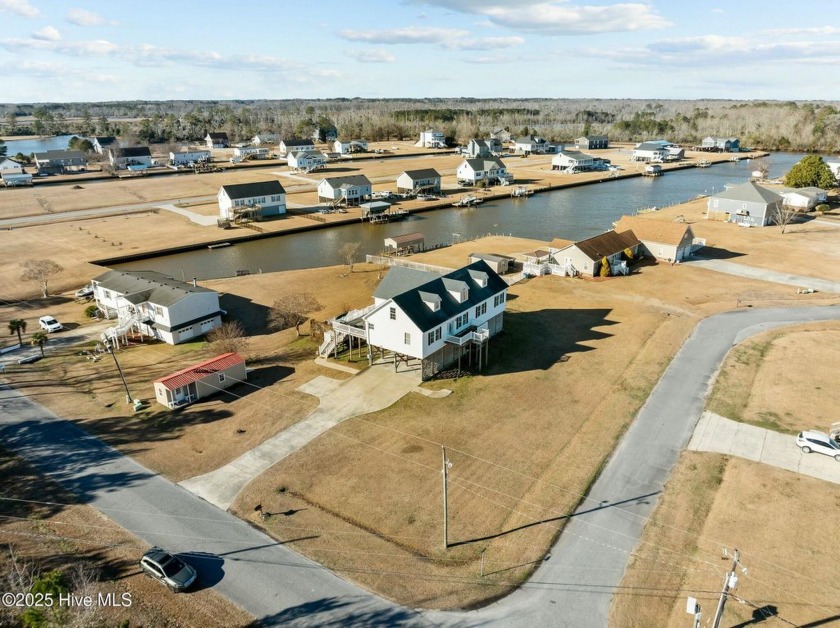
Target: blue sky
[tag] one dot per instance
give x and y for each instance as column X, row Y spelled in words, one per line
column 739, row 49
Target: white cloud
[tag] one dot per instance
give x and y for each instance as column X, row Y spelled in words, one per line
column 83, row 17
column 484, row 43
column 20, row 7
column 48, row 33
column 76, row 48
column 558, row 17
column 407, row 35
column 816, row 30
column 372, row 55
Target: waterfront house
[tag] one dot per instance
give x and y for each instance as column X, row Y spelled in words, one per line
column 266, row 198
column 243, row 153
column 135, row 157
column 9, row 164
column 102, row 144
column 592, row 142
column 13, row 176
column 295, row 145
column 422, row 181
column 351, row 190
column 189, row 158
column 747, row 204
column 60, row 161
column 804, row 199
column 196, row 382
column 428, row 320
column 431, row 139
column 649, row 151
column 306, row 160
column 217, row 140
column 487, row 171
column 155, row 305
column 476, row 148
column 572, row 161
column 530, row 145
column 347, row 147
column 413, row 242
column 265, row 138
column 327, row 134
column 663, row 239
column 586, row 257
column 721, row 144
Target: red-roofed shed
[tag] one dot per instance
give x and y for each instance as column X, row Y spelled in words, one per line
column 200, row 380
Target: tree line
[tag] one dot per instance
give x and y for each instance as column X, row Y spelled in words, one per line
column 771, row 125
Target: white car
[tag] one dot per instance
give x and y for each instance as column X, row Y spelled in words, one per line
column 818, row 442
column 48, row 323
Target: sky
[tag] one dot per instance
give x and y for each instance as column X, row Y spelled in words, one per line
column 68, row 50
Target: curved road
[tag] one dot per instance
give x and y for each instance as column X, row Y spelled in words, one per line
column 573, row 587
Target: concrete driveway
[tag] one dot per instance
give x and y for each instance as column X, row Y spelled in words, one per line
column 723, row 436
column 371, row 390
column 764, row 274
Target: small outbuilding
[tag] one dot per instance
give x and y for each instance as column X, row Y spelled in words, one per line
column 406, row 243
column 201, row 380
column 500, row 264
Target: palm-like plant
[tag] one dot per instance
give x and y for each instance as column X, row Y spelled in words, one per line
column 17, row 325
column 39, row 338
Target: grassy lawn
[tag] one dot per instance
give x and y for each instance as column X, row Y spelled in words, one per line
column 781, row 522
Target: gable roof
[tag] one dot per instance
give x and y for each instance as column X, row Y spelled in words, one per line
column 217, row 136
column 350, row 180
column 650, row 146
column 398, row 279
column 411, row 301
column 200, row 371
column 749, row 192
column 422, row 173
column 149, row 286
column 594, row 138
column 49, row 155
column 607, row 243
column 661, row 231
column 249, row 190
column 480, row 164
column 296, row 142
column 574, row 154
column 104, row 140
column 131, row 151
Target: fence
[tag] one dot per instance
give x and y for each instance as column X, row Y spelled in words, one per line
column 401, row 261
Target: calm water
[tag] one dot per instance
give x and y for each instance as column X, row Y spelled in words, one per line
column 572, row 214
column 37, row 145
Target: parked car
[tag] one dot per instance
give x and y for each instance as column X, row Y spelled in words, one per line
column 48, row 323
column 167, row 569
column 818, row 442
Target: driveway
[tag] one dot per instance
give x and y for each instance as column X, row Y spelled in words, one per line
column 370, row 390
column 764, row 274
column 723, row 436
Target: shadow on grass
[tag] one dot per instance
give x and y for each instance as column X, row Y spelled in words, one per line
column 338, row 612
column 713, row 252
column 252, row 316
column 537, row 340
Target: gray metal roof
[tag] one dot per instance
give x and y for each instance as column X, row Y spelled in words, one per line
column 749, row 192
column 148, row 286
column 650, row 146
column 399, row 279
column 422, row 173
column 480, row 164
column 353, row 179
column 132, row 151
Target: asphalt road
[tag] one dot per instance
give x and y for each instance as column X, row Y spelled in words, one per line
column 573, row 587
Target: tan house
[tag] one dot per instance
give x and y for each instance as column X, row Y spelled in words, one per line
column 662, row 239
column 586, row 257
column 201, row 380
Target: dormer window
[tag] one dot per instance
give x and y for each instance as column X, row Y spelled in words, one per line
column 431, row 300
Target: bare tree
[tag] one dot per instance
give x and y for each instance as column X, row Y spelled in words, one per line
column 762, row 167
column 784, row 215
column 228, row 338
column 40, row 271
column 290, row 310
column 348, row 252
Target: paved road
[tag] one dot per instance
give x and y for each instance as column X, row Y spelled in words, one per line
column 573, row 587
column 724, row 436
column 255, row 571
column 764, row 274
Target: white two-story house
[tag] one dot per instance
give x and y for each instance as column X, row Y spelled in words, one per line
column 431, row 139
column 425, row 180
column 306, row 160
column 155, row 305
column 487, row 171
column 352, row 189
column 269, row 196
column 572, row 161
column 346, row 147
column 436, row 320
column 295, row 145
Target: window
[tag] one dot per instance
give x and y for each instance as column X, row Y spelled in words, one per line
column 221, row 377
column 370, row 325
column 392, row 313
column 158, row 310
column 480, row 309
column 431, row 337
column 438, row 333
column 407, row 338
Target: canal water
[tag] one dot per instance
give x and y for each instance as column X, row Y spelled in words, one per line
column 572, row 214
column 36, row 145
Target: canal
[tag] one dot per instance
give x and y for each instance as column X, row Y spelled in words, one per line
column 572, row 214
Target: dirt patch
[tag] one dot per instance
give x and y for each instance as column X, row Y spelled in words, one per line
column 47, row 529
column 779, row 520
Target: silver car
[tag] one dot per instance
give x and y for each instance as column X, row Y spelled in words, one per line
column 818, row 442
column 167, row 569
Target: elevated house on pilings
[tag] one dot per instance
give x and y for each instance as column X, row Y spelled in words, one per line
column 426, row 320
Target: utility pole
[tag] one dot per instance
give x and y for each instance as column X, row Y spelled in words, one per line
column 445, row 464
column 110, row 344
column 729, row 583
